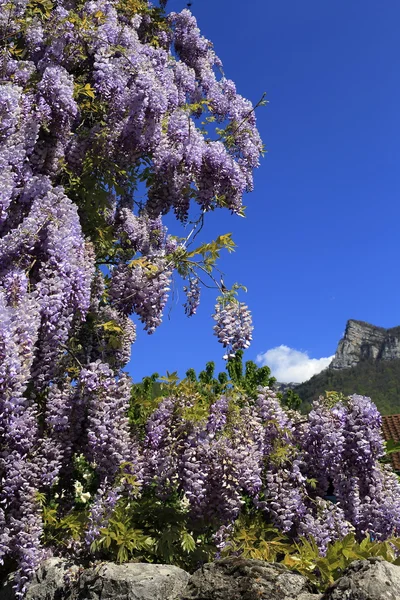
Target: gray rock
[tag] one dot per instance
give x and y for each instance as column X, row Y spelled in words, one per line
column 58, row 580
column 50, row 582
column 242, row 579
column 227, row 579
column 284, row 387
column 132, row 581
column 362, row 341
column 371, row 579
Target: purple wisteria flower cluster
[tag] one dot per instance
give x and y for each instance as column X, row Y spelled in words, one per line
column 342, row 446
column 257, row 452
column 233, row 326
column 97, row 97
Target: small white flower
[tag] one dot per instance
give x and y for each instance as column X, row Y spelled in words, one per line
column 84, row 497
column 185, row 503
column 78, row 488
column 80, row 495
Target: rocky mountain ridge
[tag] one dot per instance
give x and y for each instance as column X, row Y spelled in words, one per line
column 284, row 387
column 366, row 362
column 363, row 341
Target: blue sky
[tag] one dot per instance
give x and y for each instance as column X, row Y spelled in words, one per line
column 320, row 243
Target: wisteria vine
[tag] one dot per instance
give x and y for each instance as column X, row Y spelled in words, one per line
column 98, row 98
column 283, row 463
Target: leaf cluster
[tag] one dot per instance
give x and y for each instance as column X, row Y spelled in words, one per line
column 151, row 530
column 204, row 256
column 238, row 381
column 254, row 538
column 325, row 570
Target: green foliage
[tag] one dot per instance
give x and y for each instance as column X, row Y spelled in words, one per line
column 59, row 530
column 291, row 399
column 148, row 529
column 203, row 388
column 145, row 397
column 391, row 447
column 324, row 570
column 380, row 380
column 247, row 381
column 121, row 540
column 254, row 538
column 204, row 257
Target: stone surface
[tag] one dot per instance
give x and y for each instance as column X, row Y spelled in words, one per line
column 58, row 580
column 241, row 579
column 284, row 387
column 132, row 581
column 371, row 579
column 363, row 341
column 227, row 579
column 49, row 583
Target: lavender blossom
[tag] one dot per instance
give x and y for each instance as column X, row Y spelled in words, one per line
column 233, row 326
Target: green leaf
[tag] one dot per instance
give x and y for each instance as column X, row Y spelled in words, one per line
column 187, row 542
column 171, row 377
column 391, row 446
column 122, row 555
column 110, row 326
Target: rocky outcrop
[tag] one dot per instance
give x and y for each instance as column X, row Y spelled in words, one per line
column 228, row 579
column 241, row 579
column 284, row 387
column 363, row 341
column 371, row 579
column 59, row 580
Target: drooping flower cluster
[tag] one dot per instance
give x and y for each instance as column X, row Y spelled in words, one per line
column 324, row 442
column 102, row 99
column 192, row 296
column 342, row 446
column 108, row 443
column 233, row 326
column 144, row 292
column 101, row 511
column 256, row 452
column 19, row 472
column 327, row 524
column 210, row 468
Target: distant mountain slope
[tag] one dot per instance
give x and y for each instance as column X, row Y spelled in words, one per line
column 378, row 379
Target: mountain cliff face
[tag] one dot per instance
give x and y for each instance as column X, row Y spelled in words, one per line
column 363, row 341
column 366, row 362
column 284, row 387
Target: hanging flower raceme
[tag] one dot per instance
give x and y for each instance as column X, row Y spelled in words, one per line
column 108, row 443
column 342, row 445
column 323, row 442
column 19, row 473
column 233, row 326
column 193, row 296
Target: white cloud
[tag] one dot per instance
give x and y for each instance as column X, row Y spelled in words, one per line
column 290, row 365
